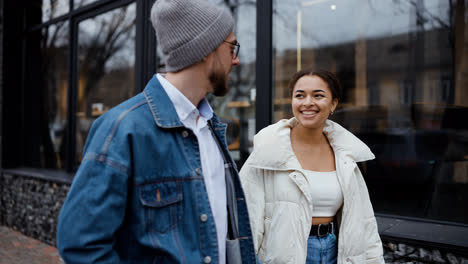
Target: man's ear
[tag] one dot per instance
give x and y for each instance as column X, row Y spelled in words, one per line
column 208, row 57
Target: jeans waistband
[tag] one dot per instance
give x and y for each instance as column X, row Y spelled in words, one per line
column 322, row 230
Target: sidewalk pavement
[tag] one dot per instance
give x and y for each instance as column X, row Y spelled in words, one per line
column 16, row 248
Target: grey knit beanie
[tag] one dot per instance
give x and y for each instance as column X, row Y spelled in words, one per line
column 188, row 30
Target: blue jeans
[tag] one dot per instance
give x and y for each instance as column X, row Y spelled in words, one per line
column 322, row 250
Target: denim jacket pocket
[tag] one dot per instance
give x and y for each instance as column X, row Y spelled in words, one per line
column 162, row 205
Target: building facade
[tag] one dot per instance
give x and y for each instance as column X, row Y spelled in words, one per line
column 403, row 65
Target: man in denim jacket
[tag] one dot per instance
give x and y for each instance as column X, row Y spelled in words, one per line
column 157, row 184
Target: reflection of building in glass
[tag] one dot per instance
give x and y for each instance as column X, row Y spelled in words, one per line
column 381, row 71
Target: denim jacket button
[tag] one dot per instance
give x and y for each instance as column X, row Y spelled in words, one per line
column 203, row 217
column 185, row 133
column 207, row 259
column 197, row 170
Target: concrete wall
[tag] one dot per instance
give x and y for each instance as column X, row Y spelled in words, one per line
column 31, row 205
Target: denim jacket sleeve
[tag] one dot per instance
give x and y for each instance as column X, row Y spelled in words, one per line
column 94, row 209
column 92, row 213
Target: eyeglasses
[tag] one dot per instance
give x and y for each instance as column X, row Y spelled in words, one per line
column 236, row 45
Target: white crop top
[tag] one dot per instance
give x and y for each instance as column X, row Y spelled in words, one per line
column 327, row 196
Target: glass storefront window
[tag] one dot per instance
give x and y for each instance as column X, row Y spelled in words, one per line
column 403, row 68
column 54, row 8
column 106, row 63
column 237, row 108
column 54, row 84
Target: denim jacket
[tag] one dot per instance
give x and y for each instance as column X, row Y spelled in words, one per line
column 139, row 194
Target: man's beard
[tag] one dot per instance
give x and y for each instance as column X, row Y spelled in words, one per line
column 218, row 80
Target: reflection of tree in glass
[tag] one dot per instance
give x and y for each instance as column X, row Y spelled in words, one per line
column 101, row 38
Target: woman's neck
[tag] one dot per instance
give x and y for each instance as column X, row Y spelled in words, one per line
column 308, row 136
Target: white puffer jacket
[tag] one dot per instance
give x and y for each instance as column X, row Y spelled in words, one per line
column 280, row 205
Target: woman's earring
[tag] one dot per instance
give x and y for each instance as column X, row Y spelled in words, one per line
column 331, row 113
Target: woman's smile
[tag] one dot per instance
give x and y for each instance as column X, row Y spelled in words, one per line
column 309, row 113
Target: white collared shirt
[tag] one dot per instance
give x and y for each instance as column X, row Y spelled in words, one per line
column 212, row 163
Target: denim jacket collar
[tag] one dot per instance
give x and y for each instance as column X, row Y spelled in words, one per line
column 164, row 113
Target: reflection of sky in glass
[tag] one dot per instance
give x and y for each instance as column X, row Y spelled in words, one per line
column 96, row 30
column 245, row 30
column 328, row 22
column 54, row 8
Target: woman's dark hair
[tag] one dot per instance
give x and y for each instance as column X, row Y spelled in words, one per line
column 328, row 77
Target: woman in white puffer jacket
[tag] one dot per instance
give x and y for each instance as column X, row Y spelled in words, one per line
column 302, row 183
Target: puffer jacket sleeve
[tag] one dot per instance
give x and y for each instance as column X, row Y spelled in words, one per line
column 374, row 251
column 253, row 185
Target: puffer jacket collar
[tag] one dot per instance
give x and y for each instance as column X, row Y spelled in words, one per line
column 280, row 156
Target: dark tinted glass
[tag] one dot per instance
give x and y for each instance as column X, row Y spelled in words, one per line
column 46, row 104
